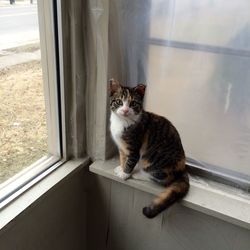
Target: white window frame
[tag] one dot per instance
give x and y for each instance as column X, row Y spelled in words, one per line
column 19, row 183
column 65, row 110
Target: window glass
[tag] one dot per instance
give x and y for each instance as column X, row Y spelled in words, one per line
column 206, row 95
column 204, row 90
column 23, row 133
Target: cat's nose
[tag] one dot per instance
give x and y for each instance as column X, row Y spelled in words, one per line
column 125, row 110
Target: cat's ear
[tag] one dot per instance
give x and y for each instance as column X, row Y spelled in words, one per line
column 140, row 89
column 114, row 86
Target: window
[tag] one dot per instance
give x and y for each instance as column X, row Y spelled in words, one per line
column 30, row 119
column 194, row 57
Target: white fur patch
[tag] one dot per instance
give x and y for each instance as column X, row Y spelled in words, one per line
column 117, row 125
column 120, row 173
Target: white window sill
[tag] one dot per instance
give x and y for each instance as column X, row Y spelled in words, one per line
column 30, row 196
column 215, row 199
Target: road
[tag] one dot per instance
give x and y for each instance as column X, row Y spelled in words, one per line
column 18, row 25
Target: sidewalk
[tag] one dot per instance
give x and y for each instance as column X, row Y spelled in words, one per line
column 10, row 60
column 20, row 43
column 19, row 55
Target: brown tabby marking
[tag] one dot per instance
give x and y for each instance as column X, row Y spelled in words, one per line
column 145, row 163
column 122, row 158
column 180, row 166
column 170, row 192
column 144, row 144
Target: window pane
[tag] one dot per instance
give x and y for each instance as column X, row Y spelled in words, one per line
column 207, row 97
column 205, row 94
column 23, row 135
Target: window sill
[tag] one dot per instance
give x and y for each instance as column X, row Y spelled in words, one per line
column 215, row 199
column 29, row 197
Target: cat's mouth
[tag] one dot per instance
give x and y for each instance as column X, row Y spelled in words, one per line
column 124, row 114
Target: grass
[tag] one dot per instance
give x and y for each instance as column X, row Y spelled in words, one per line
column 23, row 135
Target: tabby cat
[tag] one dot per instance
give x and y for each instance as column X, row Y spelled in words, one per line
column 152, row 140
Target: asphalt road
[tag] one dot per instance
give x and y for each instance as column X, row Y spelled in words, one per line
column 18, row 25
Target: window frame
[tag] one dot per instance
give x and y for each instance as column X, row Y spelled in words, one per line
column 65, row 91
column 23, row 180
column 71, row 155
column 48, row 40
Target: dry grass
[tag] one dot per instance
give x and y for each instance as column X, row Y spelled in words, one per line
column 23, row 135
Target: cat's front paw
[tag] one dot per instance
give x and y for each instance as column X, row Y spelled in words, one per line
column 120, row 173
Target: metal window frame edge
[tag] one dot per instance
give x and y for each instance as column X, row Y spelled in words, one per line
column 48, row 41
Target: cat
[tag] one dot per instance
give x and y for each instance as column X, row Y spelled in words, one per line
column 152, row 140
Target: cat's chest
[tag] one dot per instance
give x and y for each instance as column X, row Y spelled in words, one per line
column 117, row 132
column 117, row 128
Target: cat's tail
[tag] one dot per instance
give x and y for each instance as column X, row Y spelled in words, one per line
column 175, row 191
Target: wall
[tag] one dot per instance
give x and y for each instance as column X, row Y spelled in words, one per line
column 55, row 222
column 115, row 221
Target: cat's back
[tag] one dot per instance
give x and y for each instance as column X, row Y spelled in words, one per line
column 159, row 123
column 161, row 131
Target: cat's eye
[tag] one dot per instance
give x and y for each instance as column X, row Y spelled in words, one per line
column 133, row 104
column 119, row 102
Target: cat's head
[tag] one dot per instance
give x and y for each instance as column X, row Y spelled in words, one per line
column 124, row 101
